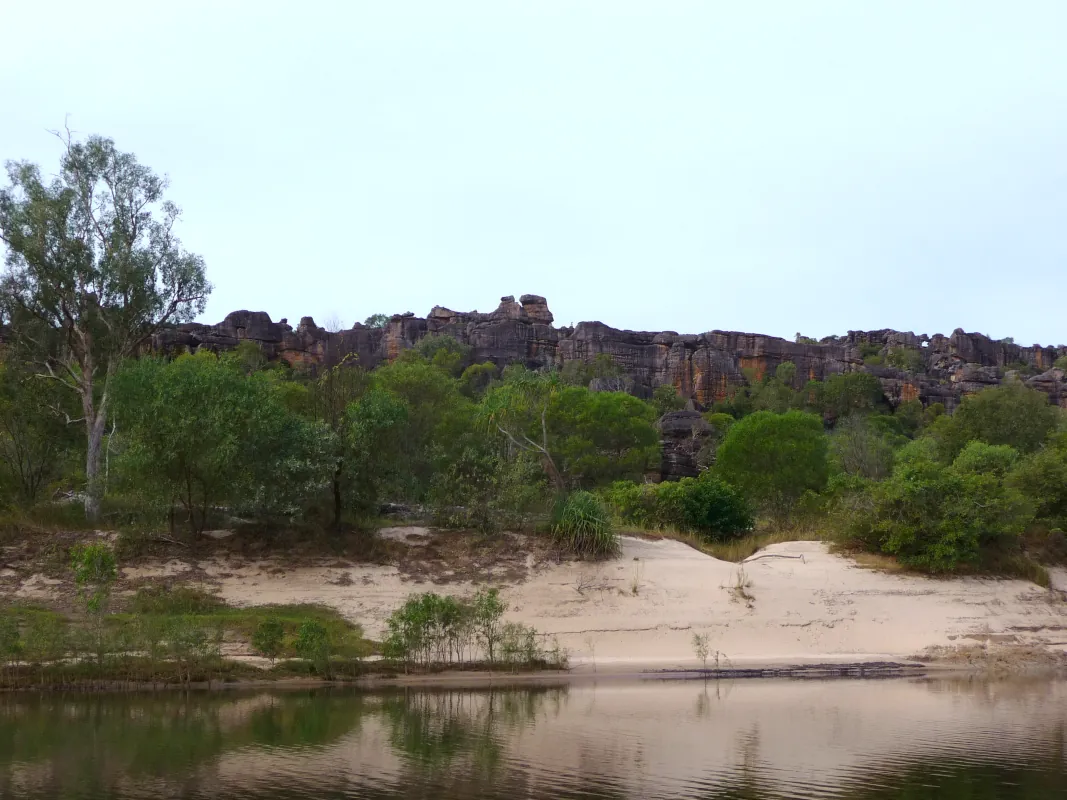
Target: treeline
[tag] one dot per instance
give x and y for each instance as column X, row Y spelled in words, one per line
column 94, row 269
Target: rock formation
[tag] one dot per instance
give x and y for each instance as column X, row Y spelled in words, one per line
column 703, row 367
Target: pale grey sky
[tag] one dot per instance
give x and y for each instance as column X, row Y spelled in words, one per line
column 761, row 166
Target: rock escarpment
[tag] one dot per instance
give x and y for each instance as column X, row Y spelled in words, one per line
column 703, row 367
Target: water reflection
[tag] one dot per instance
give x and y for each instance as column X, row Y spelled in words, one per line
column 757, row 739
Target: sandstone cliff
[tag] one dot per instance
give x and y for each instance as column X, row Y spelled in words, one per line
column 704, row 367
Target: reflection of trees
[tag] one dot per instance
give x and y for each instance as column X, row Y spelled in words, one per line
column 1041, row 773
column 463, row 730
column 99, row 741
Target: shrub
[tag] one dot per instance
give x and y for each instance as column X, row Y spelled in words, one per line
column 430, row 628
column 10, row 640
column 94, row 572
column 665, row 399
column 979, row 458
column 1010, row 414
column 713, row 508
column 1042, row 477
column 1061, row 363
column 581, row 523
column 772, row 459
column 634, row 503
column 908, row 359
column 313, row 644
column 704, row 505
column 935, row 517
column 268, row 639
column 859, row 448
column 174, row 600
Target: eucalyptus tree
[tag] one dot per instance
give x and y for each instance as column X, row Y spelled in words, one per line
column 93, row 270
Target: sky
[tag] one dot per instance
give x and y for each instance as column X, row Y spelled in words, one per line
column 770, row 167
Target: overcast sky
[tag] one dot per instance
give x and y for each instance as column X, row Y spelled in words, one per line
column 770, row 167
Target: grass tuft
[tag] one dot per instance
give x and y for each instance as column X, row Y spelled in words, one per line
column 582, row 523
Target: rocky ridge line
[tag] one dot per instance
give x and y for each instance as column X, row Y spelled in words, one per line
column 703, row 367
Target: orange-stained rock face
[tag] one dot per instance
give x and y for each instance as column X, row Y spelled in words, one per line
column 706, row 367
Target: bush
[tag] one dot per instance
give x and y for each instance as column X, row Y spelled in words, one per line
column 665, row 399
column 1010, row 414
column 634, row 503
column 174, row 600
column 713, row 508
column 581, row 523
column 268, row 639
column 935, row 517
column 704, row 505
column 1061, row 363
column 772, row 459
column 313, row 644
column 1042, row 477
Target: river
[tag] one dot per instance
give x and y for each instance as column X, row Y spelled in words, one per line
column 950, row 738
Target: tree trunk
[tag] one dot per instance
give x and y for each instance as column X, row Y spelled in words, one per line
column 553, row 472
column 95, row 423
column 337, row 495
column 94, row 489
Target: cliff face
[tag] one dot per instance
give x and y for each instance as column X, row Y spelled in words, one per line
column 704, row 367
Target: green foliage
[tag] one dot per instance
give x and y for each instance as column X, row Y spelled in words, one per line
column 445, row 353
column 36, row 442
column 582, row 524
column 313, row 644
column 477, row 378
column 482, row 488
column 438, row 418
column 772, row 459
column 1011, row 415
column 868, row 349
column 597, row 437
column 164, row 600
column 1060, row 363
column 93, row 268
column 665, row 399
column 909, row 359
column 775, row 394
column 857, row 447
column 581, row 437
column 979, row 458
column 936, row 517
column 848, row 393
column 581, row 373
column 94, row 571
column 199, row 432
column 376, row 320
column 706, row 506
column 432, row 629
column 373, row 447
column 10, row 640
column 909, row 416
column 1042, row 476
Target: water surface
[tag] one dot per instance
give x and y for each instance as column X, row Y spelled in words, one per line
column 946, row 738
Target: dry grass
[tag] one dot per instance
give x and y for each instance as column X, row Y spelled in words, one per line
column 879, row 562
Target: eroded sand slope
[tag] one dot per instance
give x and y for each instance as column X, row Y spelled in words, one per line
column 642, row 609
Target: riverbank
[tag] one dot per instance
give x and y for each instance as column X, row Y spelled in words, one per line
column 794, row 602
column 791, row 605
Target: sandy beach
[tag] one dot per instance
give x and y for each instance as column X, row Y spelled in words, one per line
column 792, row 603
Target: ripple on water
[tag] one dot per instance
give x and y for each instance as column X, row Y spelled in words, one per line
column 861, row 740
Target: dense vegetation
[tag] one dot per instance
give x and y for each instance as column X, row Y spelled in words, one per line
column 191, row 441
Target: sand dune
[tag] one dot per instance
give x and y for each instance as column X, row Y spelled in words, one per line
column 641, row 609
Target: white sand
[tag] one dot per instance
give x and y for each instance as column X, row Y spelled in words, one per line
column 818, row 608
